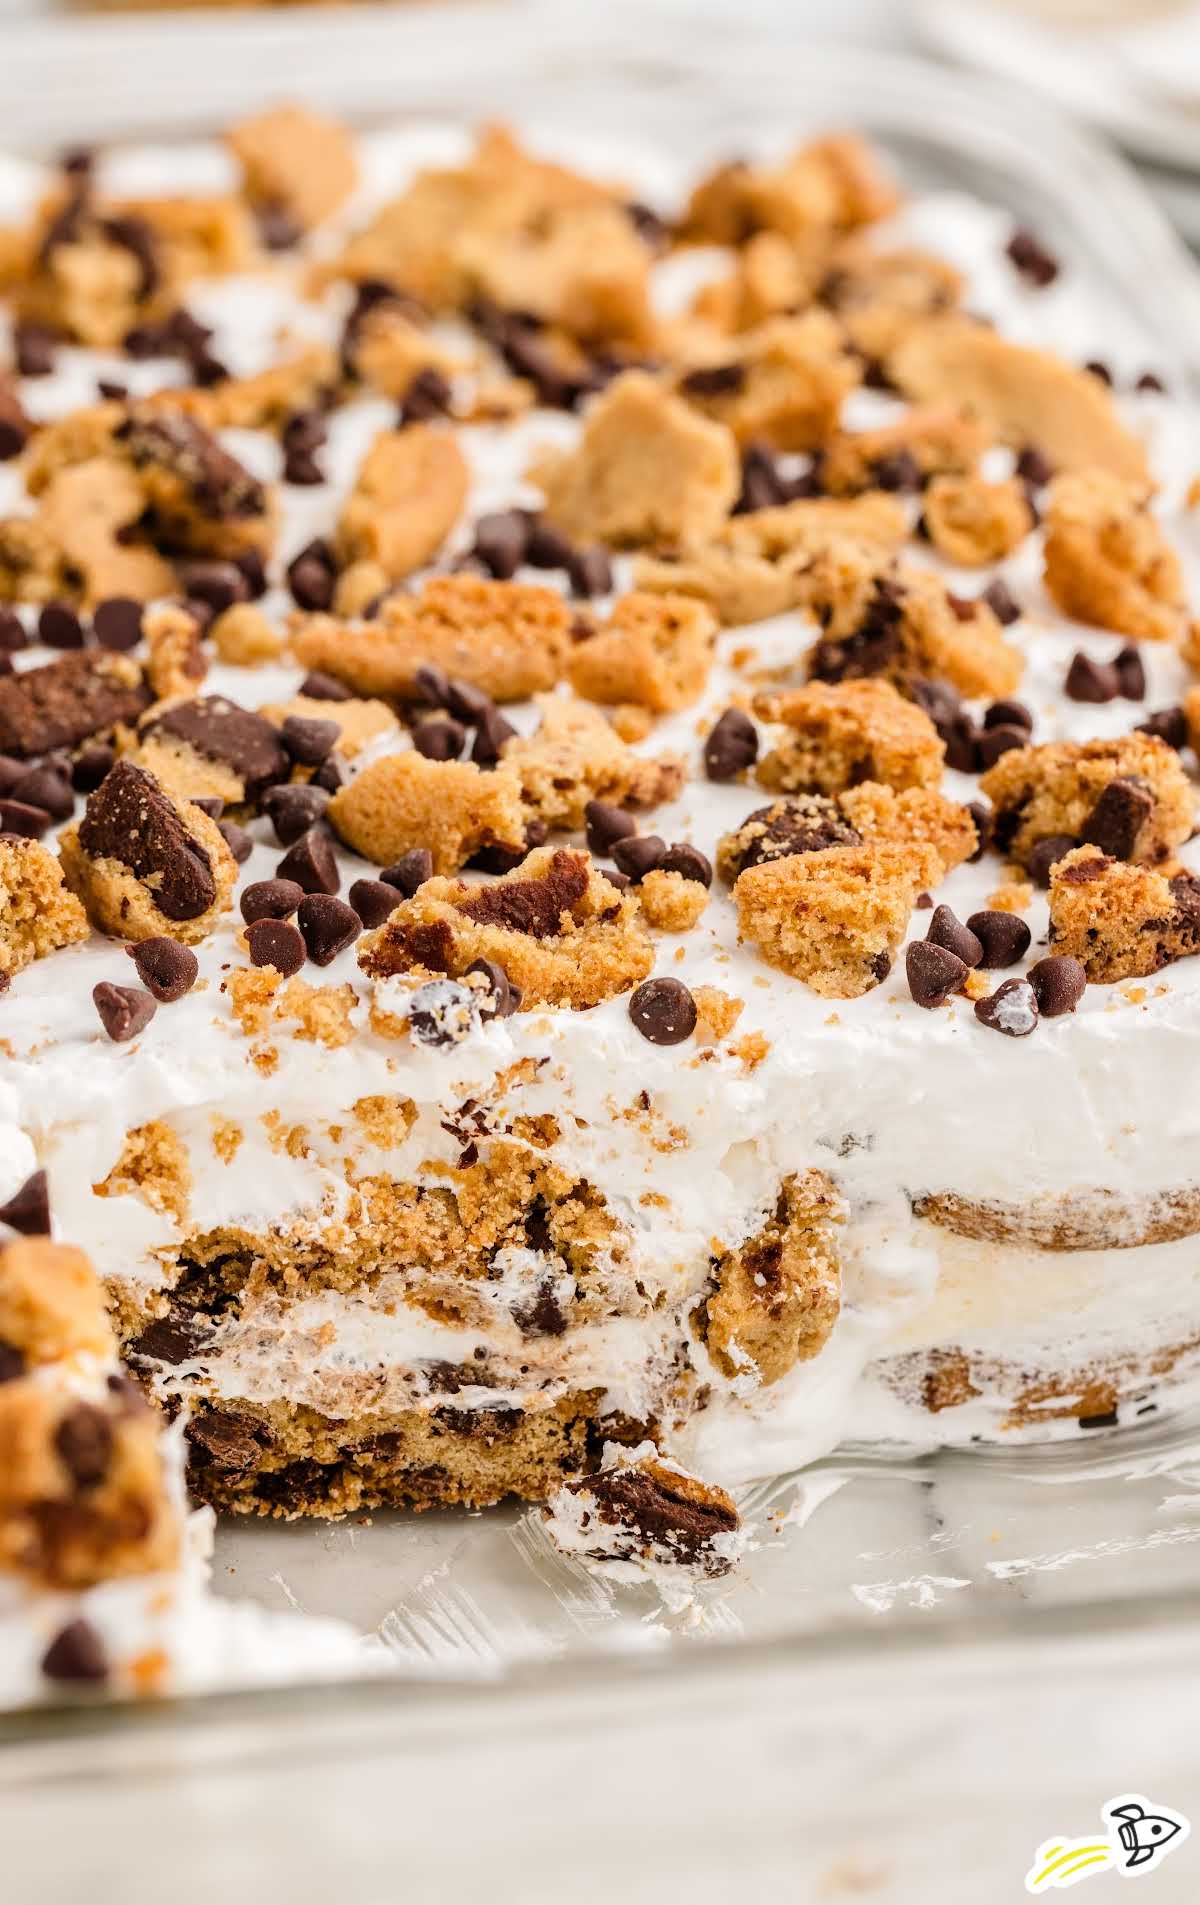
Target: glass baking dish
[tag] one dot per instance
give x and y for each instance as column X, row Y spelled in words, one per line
column 867, row 1549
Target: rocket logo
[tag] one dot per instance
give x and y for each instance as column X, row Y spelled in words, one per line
column 1140, row 1835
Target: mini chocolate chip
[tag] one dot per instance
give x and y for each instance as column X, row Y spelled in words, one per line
column 17, row 816
column 639, row 854
column 1099, row 369
column 713, row 380
column 270, row 899
column 1166, row 724
column 277, row 229
column 319, row 687
column 165, row 968
column 546, row 547
column 505, row 997
column 1029, row 256
column 293, row 807
column 606, row 825
column 439, row 738
column 933, row 972
column 410, row 871
column 1011, row 1009
column 35, row 347
column 12, row 1363
column 11, row 771
column 462, row 699
column 1003, row 937
column 1088, row 680
column 948, row 931
column 1003, row 604
column 500, row 540
column 1131, row 672
column 374, row 901
column 60, row 627
column 217, row 584
column 900, row 472
column 1150, row 381
column 993, row 742
column 329, row 776
column 1058, row 984
column 47, row 788
column 1046, row 853
column 589, row 572
column 210, row 804
column 311, row 863
column 76, row 1655
column 240, row 845
column 276, row 942
column 1034, row 467
column 663, row 1010
column 689, row 861
column 83, row 1442
column 12, row 632
column 1008, row 714
column 962, row 744
column 309, row 740
column 108, row 389
column 732, row 746
column 428, row 395
column 301, row 469
column 490, row 736
column 124, row 1010
column 91, row 765
column 1118, row 817
column 328, row 926
column 311, row 575
column 28, row 1209
column 117, row 622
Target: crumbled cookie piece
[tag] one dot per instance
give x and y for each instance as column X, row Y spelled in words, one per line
column 267, row 400
column 777, row 1297
column 243, row 637
column 834, row 919
column 670, row 902
column 78, row 697
column 654, row 650
column 563, row 935
column 261, row 997
column 717, row 1013
column 770, row 276
column 584, row 269
column 832, row 184
column 451, row 807
column 38, row 912
column 407, row 497
column 576, row 756
column 175, row 658
column 879, row 296
column 51, row 1305
column 892, row 619
column 1108, row 561
column 388, row 350
column 870, row 813
column 295, row 161
column 973, row 522
column 83, row 1494
column 845, row 732
column 647, row 469
column 359, row 723
column 145, row 863
column 924, row 443
column 1026, row 396
column 511, row 639
column 783, row 384
column 208, row 747
column 805, row 823
column 89, row 273
column 85, row 542
column 1128, row 796
column 1121, row 921
column 642, row 1517
column 201, row 499
column 153, row 1166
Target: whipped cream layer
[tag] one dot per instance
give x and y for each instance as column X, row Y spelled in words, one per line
column 892, row 1101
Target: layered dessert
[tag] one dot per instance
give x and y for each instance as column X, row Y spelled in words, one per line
column 594, row 891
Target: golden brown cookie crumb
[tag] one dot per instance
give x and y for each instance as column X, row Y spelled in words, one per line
column 407, row 497
column 562, row 934
column 38, row 911
column 920, row 817
column 654, row 650
column 451, row 807
column 1121, row 921
column 830, row 185
column 845, row 732
column 576, row 756
column 925, row 442
column 836, row 918
column 972, row 522
column 783, row 384
column 1129, row 796
column 670, row 902
column 295, row 161
column 1107, row 560
column 647, row 469
column 153, row 1165
column 243, row 637
column 717, row 1013
column 51, row 1303
column 778, row 1296
column 509, row 638
column 175, row 661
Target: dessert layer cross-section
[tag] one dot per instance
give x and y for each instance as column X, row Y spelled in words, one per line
column 596, row 801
